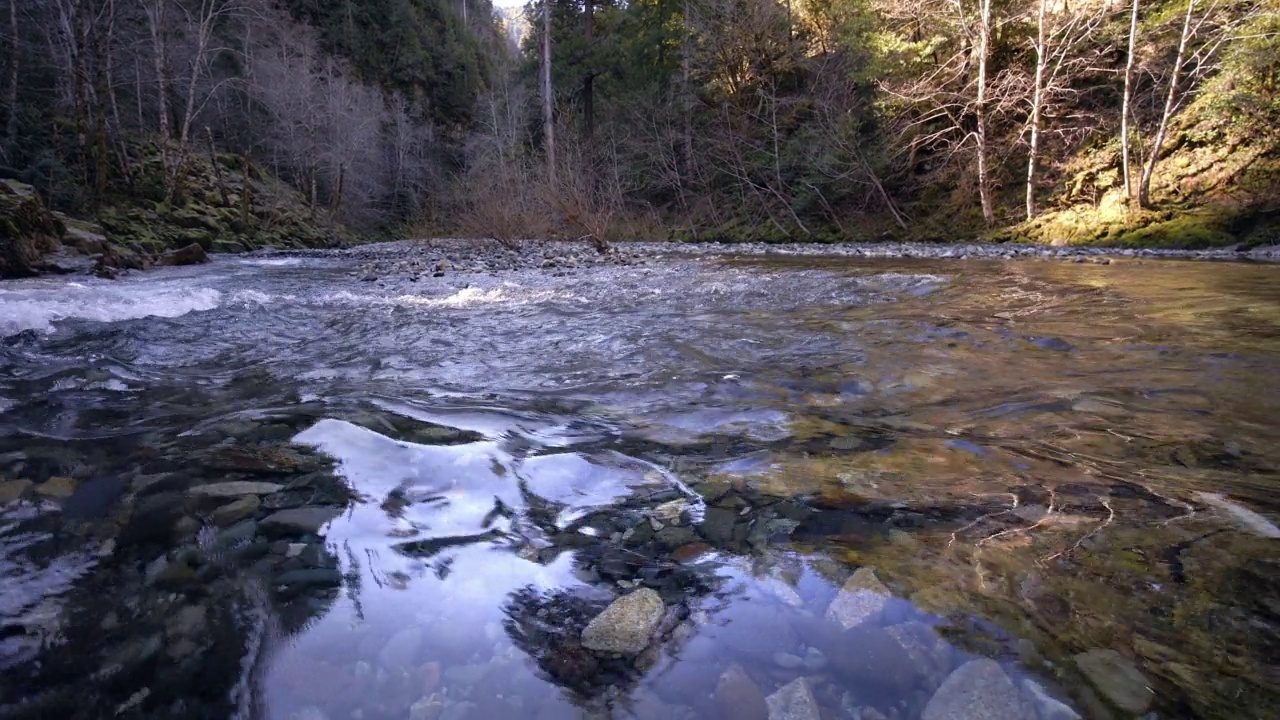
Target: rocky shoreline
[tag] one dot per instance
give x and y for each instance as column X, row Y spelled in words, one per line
column 440, row 257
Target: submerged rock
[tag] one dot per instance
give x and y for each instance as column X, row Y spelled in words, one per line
column 862, row 599
column 1047, row 706
column 1117, row 679
column 57, row 487
column 236, row 510
column 627, row 625
column 978, row 690
column 299, row 520
column 401, row 650
column 870, row 657
column 11, row 490
column 738, row 697
column 793, row 701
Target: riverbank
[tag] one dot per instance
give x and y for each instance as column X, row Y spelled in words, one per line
column 415, row 259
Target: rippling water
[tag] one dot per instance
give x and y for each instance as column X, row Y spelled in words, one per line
column 861, row 489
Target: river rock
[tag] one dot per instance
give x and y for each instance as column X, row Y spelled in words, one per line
column 793, row 701
column 1047, row 706
column 861, row 600
column 871, row 658
column 978, row 690
column 57, row 487
column 236, row 510
column 1117, row 678
column 192, row 254
column 717, row 525
column 759, row 631
column 11, row 490
column 627, row 625
column 738, row 697
column 235, row 489
column 301, row 520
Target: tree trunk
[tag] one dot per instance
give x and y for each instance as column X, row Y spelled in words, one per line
column 15, row 74
column 156, row 22
column 548, row 115
column 984, row 173
column 588, row 80
column 1037, row 104
column 1125, row 104
column 1170, row 101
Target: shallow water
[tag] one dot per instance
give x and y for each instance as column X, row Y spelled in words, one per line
column 1023, row 461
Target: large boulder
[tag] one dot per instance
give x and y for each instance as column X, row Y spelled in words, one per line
column 192, row 254
column 27, row 230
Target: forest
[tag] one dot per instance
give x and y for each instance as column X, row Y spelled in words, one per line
column 223, row 121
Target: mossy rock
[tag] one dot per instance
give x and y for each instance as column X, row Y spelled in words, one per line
column 27, row 230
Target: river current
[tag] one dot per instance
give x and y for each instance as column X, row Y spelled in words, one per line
column 861, row 489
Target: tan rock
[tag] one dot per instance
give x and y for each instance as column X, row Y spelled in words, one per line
column 57, row 487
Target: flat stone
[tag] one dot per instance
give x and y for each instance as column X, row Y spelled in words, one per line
column 627, row 625
column 978, row 690
column 738, row 697
column 57, row 487
column 793, row 701
column 1117, row 678
column 236, row 510
column 11, row 490
column 861, row 600
column 299, row 520
column 235, row 489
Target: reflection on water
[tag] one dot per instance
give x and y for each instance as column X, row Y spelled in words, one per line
column 789, row 490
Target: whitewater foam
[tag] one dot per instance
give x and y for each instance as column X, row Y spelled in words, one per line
column 39, row 304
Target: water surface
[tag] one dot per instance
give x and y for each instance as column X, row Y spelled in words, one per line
column 867, row 474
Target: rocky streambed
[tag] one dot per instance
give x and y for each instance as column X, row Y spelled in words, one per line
column 644, row 487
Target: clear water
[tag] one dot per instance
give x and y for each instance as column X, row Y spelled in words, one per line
column 1029, row 460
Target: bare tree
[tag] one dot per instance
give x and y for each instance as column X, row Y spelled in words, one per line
column 1061, row 49
column 980, row 110
column 1198, row 44
column 1126, row 106
column 15, row 74
column 548, row 101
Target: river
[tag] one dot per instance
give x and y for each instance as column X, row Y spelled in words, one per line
column 862, row 488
